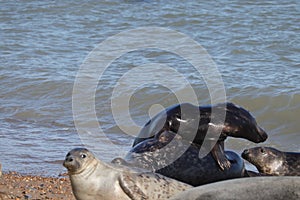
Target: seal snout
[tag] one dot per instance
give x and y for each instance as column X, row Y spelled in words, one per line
column 245, row 154
column 69, row 159
column 263, row 135
column 258, row 135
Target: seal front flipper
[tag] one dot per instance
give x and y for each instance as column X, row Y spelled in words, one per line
column 130, row 188
column 219, row 156
column 148, row 186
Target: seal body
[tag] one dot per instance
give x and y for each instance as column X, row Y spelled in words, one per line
column 262, row 188
column 271, row 161
column 92, row 179
column 192, row 124
column 168, row 154
column 185, row 118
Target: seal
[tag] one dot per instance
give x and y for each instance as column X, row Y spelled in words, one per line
column 271, row 161
column 262, row 188
column 0, row 170
column 92, row 179
column 168, row 154
column 184, row 119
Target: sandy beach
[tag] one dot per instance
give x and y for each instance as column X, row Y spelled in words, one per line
column 14, row 185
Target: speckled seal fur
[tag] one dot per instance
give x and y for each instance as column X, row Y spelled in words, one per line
column 271, row 161
column 168, row 154
column 92, row 179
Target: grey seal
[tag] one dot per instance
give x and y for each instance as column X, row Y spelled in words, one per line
column 168, row 154
column 254, row 188
column 184, row 118
column 92, row 179
column 271, row 161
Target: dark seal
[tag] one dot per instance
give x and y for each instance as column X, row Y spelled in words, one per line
column 270, row 161
column 238, row 123
column 168, row 154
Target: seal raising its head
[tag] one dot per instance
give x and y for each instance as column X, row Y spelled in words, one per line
column 185, row 119
column 92, row 179
column 270, row 161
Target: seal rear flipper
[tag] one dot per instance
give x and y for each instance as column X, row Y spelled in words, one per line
column 219, row 156
column 131, row 189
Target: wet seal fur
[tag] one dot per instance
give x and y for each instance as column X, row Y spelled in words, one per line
column 238, row 123
column 271, row 161
column 168, row 154
column 92, row 179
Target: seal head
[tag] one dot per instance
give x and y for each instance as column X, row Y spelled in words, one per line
column 240, row 123
column 271, row 161
column 77, row 160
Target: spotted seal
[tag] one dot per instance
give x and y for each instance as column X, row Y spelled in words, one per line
column 238, row 123
column 92, row 179
column 271, row 161
column 168, row 154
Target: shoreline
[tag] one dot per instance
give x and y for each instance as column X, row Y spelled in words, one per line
column 14, row 185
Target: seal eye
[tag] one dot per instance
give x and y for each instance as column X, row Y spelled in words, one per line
column 83, row 156
column 262, row 150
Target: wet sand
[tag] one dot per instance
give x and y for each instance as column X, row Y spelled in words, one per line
column 17, row 186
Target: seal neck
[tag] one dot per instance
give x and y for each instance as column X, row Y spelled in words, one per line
column 85, row 172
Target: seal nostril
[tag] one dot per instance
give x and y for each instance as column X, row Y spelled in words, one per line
column 69, row 159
